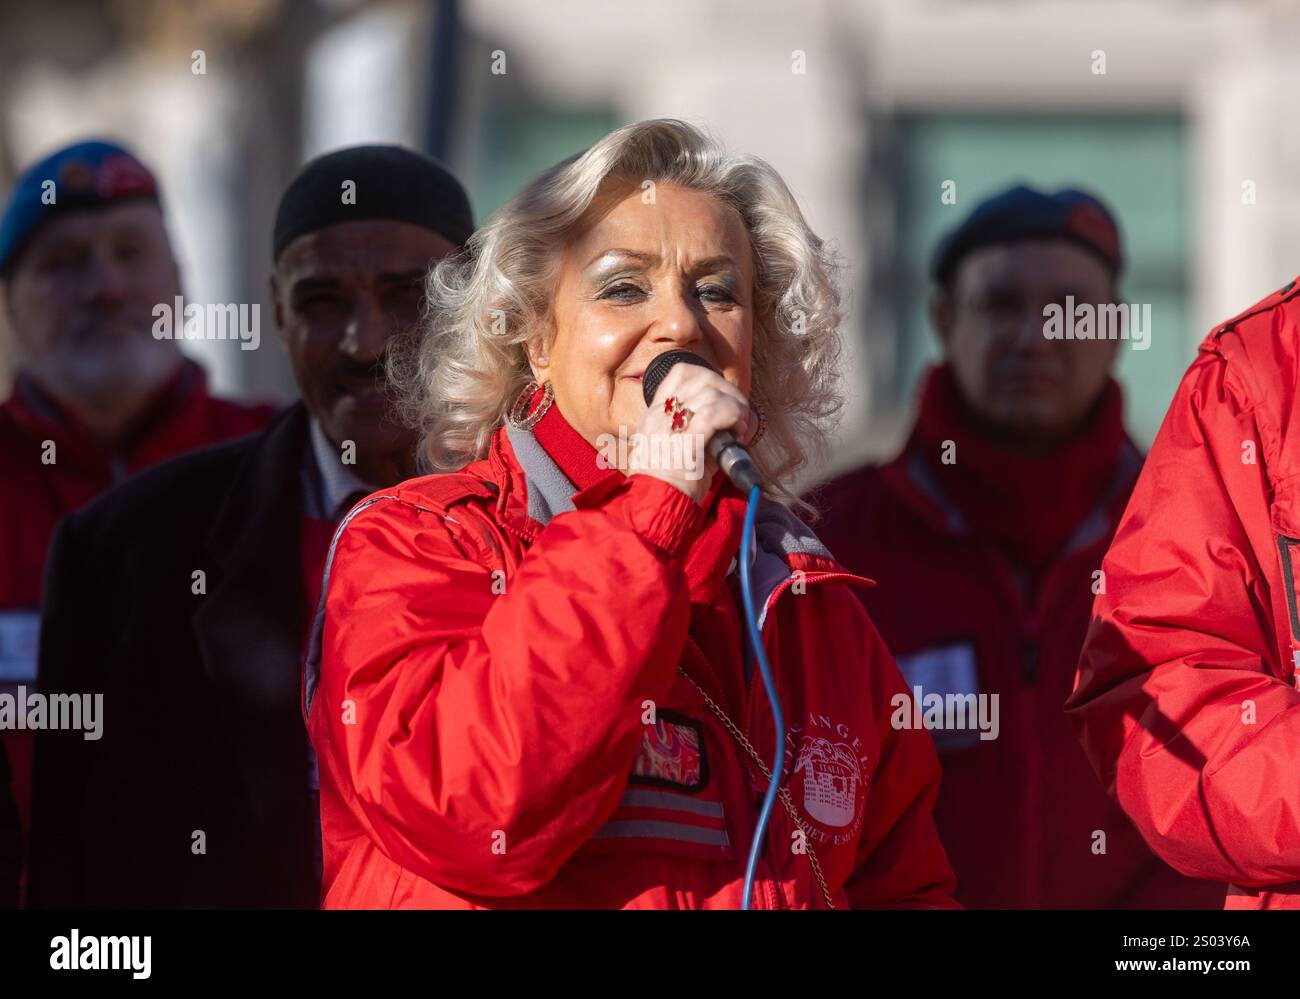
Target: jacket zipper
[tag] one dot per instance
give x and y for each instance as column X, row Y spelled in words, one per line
column 713, row 675
column 764, row 895
column 529, row 538
column 768, row 892
column 756, row 680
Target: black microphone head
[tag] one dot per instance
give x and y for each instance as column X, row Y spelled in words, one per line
column 657, row 370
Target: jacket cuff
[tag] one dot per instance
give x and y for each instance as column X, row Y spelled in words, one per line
column 659, row 512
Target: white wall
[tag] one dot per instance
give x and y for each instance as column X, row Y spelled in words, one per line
column 727, row 64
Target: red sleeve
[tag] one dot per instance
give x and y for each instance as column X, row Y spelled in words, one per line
column 492, row 733
column 901, row 863
column 1181, row 701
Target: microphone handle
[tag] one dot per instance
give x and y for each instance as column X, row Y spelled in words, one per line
column 734, row 460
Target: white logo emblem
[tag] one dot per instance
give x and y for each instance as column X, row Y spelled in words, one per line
column 830, row 787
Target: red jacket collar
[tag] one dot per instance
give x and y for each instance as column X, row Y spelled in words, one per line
column 576, row 458
column 710, row 557
column 717, row 543
column 503, row 468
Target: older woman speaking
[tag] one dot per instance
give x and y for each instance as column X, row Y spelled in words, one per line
column 532, row 682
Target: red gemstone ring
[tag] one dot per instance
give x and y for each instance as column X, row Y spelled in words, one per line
column 680, row 414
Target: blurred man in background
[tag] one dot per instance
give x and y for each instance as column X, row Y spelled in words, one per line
column 985, row 536
column 84, row 259
column 201, row 792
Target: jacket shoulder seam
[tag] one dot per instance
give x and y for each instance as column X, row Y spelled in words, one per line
column 1289, row 290
column 442, row 512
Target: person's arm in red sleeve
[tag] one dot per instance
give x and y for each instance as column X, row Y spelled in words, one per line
column 1180, row 700
column 901, row 863
column 494, row 732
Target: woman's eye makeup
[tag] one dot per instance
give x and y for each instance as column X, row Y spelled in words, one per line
column 713, row 291
column 620, row 291
column 631, row 287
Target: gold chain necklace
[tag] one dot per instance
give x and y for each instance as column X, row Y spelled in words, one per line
column 783, row 793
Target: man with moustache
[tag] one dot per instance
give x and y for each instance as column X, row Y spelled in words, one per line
column 84, row 259
column 984, row 537
column 184, row 597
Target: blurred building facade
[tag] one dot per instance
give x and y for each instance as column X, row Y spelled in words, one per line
column 872, row 110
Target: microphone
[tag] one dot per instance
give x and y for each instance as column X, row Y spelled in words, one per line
column 723, row 447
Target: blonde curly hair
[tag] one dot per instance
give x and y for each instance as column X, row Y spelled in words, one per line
column 459, row 373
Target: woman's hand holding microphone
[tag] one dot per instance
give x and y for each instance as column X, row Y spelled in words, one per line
column 689, row 406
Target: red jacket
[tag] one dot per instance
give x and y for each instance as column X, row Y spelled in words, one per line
column 36, row 492
column 482, row 713
column 1186, row 699
column 1017, row 814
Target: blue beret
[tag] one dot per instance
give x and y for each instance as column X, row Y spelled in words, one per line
column 85, row 175
column 1023, row 213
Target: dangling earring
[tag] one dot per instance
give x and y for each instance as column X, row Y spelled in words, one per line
column 519, row 417
column 762, row 423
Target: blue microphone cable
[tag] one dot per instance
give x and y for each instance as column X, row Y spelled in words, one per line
column 769, row 683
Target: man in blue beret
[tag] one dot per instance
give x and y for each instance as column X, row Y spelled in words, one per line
column 84, row 259
column 985, row 536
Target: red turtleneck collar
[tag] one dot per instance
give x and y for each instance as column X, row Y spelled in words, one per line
column 1028, row 505
column 578, row 460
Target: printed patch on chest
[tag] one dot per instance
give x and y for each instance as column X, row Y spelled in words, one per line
column 671, row 753
column 669, row 805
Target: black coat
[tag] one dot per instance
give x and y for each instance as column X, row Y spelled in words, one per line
column 11, row 838
column 202, row 725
